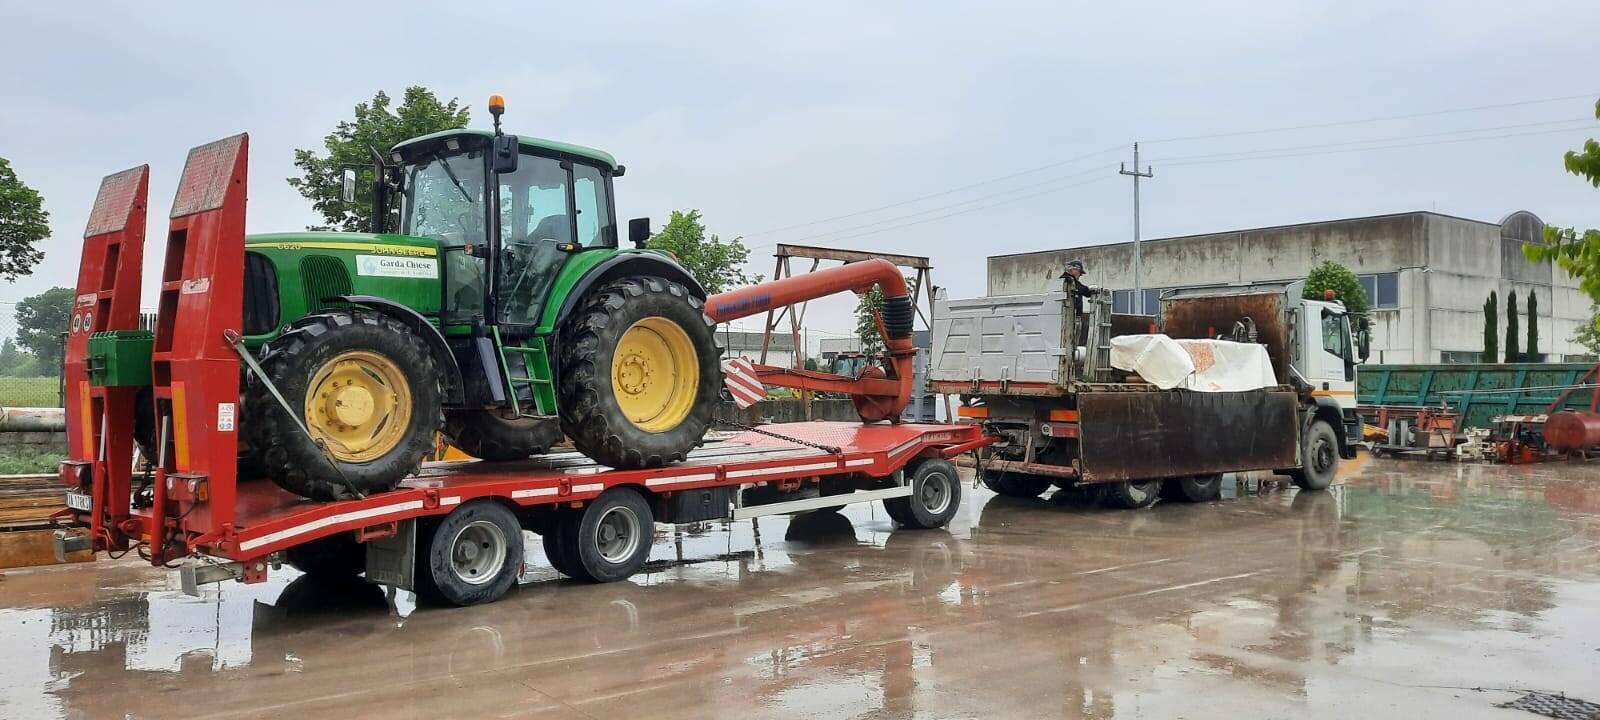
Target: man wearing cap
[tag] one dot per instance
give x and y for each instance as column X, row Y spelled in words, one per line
column 1072, row 282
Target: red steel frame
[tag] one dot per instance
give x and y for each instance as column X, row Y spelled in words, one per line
column 200, row 506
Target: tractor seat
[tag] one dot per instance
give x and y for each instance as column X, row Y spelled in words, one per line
column 554, row 227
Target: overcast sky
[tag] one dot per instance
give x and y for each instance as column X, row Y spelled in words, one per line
column 780, row 115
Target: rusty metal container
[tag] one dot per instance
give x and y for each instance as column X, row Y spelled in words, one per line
column 1570, row 430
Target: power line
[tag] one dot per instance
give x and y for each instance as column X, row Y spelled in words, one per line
column 1407, row 116
column 1018, row 198
column 1377, row 147
column 1585, row 121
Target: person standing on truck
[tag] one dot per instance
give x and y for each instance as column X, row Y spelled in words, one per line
column 1072, row 282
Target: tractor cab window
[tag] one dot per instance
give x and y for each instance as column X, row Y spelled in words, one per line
column 535, row 218
column 589, row 191
column 444, row 200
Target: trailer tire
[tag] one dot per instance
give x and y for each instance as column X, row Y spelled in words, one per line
column 472, row 556
column 1193, row 488
column 485, row 435
column 639, row 374
column 1132, row 494
column 556, row 547
column 611, row 539
column 333, row 556
column 1016, row 485
column 1319, row 458
column 935, row 496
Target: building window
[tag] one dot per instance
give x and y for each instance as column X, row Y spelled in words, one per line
column 1123, row 302
column 1383, row 290
column 1459, row 357
column 1579, row 358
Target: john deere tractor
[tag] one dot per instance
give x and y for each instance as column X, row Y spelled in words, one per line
column 491, row 302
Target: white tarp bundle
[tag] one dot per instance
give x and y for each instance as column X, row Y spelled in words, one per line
column 1200, row 365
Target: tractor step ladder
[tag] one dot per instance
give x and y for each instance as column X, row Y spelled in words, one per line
column 535, row 375
column 194, row 370
column 99, row 419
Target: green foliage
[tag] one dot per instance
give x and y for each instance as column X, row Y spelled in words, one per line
column 867, row 323
column 10, row 357
column 1533, row 326
column 1491, row 339
column 1345, row 284
column 27, row 461
column 30, row 392
column 23, row 224
column 41, row 319
column 1588, row 334
column 716, row 264
column 1512, row 353
column 811, row 364
column 375, row 125
column 1577, row 252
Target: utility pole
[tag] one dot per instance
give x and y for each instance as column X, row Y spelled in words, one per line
column 1138, row 287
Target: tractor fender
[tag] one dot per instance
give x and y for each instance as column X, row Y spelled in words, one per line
column 1327, row 409
column 626, row 264
column 426, row 330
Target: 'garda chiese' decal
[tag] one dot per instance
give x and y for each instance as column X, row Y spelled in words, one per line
column 392, row 266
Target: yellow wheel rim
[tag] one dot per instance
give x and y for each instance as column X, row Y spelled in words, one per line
column 359, row 404
column 655, row 374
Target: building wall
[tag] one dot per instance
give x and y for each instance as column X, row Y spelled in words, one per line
column 1445, row 267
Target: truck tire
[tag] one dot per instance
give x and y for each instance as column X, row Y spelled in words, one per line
column 1319, row 458
column 333, row 556
column 486, row 435
column 362, row 383
column 611, row 539
column 472, row 556
column 935, row 496
column 1019, row 485
column 1133, row 494
column 639, row 373
column 556, row 548
column 1192, row 488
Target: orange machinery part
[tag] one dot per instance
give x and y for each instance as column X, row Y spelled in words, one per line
column 1570, row 430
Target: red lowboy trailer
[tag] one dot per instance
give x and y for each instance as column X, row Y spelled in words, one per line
column 453, row 531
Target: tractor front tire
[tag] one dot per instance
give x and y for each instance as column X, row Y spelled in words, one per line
column 639, row 373
column 364, row 385
column 486, row 435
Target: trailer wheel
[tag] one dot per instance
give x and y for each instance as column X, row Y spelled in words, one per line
column 611, row 539
column 473, row 555
column 557, row 549
column 935, row 496
column 1192, row 488
column 1013, row 484
column 1133, row 494
column 333, row 556
column 1319, row 458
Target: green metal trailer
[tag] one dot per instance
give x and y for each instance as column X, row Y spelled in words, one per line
column 1490, row 389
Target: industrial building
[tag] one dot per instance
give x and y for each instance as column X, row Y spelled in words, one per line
column 1426, row 276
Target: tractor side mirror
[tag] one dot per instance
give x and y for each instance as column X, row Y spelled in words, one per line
column 506, row 153
column 348, row 185
column 639, row 231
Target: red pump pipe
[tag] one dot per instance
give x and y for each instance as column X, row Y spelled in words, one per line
column 877, row 396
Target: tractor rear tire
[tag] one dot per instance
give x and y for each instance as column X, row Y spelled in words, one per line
column 639, row 373
column 361, row 368
column 486, row 435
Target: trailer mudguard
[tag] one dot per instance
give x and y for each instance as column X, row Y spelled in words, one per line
column 1145, row 434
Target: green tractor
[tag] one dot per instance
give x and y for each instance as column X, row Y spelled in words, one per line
column 492, row 303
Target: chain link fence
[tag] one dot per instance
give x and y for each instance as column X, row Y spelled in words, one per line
column 30, row 366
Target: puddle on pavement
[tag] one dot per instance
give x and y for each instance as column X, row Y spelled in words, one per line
column 1418, row 576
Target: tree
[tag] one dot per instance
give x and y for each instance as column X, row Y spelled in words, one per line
column 1588, row 334
column 1512, row 353
column 716, row 264
column 1533, row 326
column 1576, row 252
column 1491, row 339
column 375, row 125
column 41, row 319
column 1338, row 278
column 23, row 225
column 11, row 358
column 867, row 322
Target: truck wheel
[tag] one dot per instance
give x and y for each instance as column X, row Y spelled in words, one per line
column 1319, row 458
column 1193, row 488
column 611, row 539
column 556, row 547
column 364, row 385
column 1013, row 484
column 333, row 556
column 639, row 373
column 935, row 496
column 485, row 435
column 473, row 555
column 1133, row 494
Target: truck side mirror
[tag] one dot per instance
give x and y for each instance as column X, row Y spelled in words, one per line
column 639, row 231
column 1364, row 340
column 347, row 182
column 506, row 152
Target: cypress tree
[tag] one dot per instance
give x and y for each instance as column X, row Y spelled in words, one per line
column 1513, row 354
column 1533, row 326
column 1491, row 340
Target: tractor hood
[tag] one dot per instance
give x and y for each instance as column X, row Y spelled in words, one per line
column 378, row 244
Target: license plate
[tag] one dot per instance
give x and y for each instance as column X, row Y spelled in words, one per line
column 80, row 502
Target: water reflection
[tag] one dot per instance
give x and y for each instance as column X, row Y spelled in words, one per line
column 1021, row 608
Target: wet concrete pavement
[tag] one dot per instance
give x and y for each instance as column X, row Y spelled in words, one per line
column 1392, row 595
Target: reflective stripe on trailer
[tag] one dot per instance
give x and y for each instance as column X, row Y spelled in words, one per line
column 320, row 523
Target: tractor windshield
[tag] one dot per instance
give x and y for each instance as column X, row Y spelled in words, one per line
column 444, row 201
